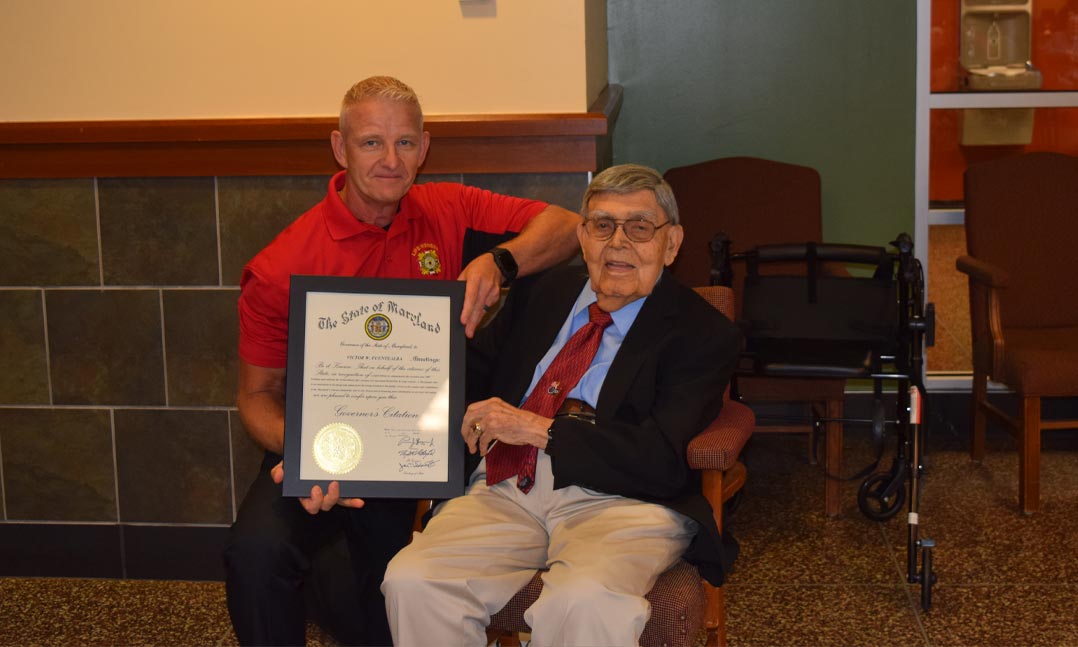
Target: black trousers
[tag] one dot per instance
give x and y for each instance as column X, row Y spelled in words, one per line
column 269, row 557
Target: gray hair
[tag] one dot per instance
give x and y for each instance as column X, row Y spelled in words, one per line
column 630, row 178
column 381, row 87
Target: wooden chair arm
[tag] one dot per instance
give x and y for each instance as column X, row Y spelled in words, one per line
column 718, row 487
column 986, row 281
column 983, row 272
column 422, row 507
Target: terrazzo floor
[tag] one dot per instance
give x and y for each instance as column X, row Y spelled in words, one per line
column 802, row 579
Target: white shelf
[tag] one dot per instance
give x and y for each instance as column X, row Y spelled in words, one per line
column 958, row 382
column 946, row 216
column 936, row 383
column 953, row 100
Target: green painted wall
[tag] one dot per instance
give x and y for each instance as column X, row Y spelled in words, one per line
column 827, row 84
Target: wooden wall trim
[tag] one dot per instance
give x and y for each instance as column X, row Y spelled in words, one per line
column 525, row 143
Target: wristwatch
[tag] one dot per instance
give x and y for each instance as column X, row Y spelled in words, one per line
column 503, row 258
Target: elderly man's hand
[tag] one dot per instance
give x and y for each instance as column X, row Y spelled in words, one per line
column 483, row 288
column 495, row 420
column 319, row 502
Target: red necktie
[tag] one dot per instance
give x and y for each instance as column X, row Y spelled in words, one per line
column 546, row 398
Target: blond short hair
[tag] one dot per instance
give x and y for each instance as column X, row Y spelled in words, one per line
column 381, row 87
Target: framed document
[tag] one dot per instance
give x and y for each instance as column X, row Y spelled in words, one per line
column 375, row 391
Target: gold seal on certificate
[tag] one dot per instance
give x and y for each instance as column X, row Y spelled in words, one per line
column 337, row 448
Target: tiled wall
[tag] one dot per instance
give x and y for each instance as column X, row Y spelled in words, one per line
column 121, row 454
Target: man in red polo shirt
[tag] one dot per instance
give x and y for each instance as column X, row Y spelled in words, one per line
column 373, row 222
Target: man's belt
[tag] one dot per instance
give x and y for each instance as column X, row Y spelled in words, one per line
column 577, row 409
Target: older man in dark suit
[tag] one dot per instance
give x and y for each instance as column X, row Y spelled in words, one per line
column 601, row 382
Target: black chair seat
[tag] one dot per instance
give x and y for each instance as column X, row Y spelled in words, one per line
column 801, row 358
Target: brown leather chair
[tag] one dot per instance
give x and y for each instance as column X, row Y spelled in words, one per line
column 759, row 202
column 1021, row 227
column 684, row 607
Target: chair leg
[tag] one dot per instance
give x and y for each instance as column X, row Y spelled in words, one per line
column 1029, row 456
column 977, row 416
column 817, row 411
column 715, row 616
column 833, row 458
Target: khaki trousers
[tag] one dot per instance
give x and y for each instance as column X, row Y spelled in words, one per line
column 603, row 553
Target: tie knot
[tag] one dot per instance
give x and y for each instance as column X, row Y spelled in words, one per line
column 599, row 317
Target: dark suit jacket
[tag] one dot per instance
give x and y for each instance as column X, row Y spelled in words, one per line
column 664, row 386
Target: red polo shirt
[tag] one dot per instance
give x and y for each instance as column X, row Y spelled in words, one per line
column 424, row 241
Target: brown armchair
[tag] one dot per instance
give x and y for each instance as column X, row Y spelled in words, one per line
column 684, row 607
column 760, row 202
column 1020, row 232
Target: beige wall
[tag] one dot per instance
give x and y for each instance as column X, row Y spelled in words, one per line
column 152, row 59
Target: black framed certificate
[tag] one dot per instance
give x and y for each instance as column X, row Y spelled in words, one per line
column 375, row 391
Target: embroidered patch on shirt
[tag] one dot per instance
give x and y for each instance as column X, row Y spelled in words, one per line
column 426, row 254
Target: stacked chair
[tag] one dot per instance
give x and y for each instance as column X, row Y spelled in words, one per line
column 755, row 202
column 1021, row 225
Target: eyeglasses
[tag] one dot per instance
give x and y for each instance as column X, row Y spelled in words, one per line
column 636, row 230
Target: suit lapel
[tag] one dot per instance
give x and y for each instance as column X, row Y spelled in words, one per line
column 652, row 323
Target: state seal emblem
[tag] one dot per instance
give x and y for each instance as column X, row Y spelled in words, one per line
column 426, row 255
column 378, row 326
column 337, row 448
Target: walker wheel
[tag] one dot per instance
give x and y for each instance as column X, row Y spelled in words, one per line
column 928, row 578
column 874, row 501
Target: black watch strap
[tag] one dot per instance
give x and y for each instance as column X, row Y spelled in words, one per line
column 503, row 258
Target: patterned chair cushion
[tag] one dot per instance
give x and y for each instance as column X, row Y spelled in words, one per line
column 718, row 446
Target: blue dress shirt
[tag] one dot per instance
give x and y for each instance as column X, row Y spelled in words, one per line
column 587, row 389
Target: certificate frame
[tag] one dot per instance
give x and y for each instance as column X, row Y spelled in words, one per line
column 365, row 298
